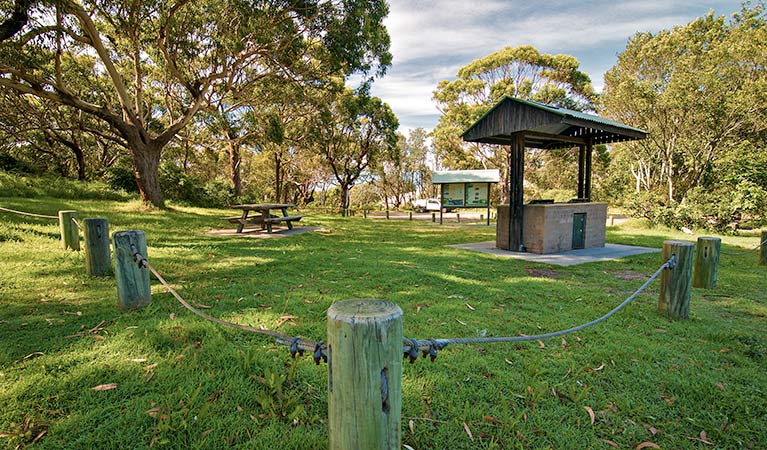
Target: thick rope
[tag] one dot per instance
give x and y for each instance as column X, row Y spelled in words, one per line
column 747, row 251
column 431, row 346
column 41, row 216
column 297, row 345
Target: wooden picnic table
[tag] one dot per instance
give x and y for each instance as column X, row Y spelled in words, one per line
column 263, row 216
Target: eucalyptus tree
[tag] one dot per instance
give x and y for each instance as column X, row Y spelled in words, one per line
column 164, row 60
column 353, row 132
column 700, row 90
column 521, row 72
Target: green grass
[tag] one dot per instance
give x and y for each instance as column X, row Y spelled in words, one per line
column 185, row 383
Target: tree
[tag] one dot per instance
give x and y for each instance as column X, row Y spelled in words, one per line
column 700, row 90
column 162, row 61
column 520, row 72
column 353, row 132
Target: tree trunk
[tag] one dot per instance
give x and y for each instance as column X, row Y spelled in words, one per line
column 235, row 173
column 80, row 158
column 277, row 177
column 146, row 161
column 344, row 197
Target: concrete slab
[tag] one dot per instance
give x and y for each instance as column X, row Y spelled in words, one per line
column 568, row 258
column 278, row 232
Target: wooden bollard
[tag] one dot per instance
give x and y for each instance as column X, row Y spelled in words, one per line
column 70, row 235
column 364, row 375
column 410, row 215
column 387, row 214
column 364, row 213
column 458, row 217
column 97, row 254
column 433, row 217
column 706, row 268
column 133, row 291
column 676, row 284
column 763, row 249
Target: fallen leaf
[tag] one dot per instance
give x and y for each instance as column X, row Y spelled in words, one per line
column 541, row 344
column 492, row 419
column 725, row 350
column 455, row 296
column 461, row 322
column 704, row 438
column 468, row 431
column 591, row 414
column 720, row 386
column 419, row 306
column 646, row 444
column 200, row 305
column 104, row 387
column 564, row 343
column 650, row 428
column 172, row 316
column 239, row 408
column 411, row 425
column 610, row 443
column 150, row 367
column 37, row 438
column 153, row 412
column 98, row 336
column 509, row 362
column 602, row 366
column 470, row 307
column 149, row 377
column 284, row 319
column 408, row 447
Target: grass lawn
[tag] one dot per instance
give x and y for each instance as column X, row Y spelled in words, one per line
column 186, row 383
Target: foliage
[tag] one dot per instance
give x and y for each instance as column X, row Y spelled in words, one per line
column 191, row 190
column 520, row 72
column 280, row 400
column 145, row 69
column 699, row 89
column 644, row 378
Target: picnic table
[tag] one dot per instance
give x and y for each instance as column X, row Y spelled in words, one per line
column 263, row 216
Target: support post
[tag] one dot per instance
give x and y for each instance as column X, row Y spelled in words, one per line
column 763, row 248
column 706, row 268
column 387, row 214
column 364, row 375
column 676, row 284
column 133, row 291
column 441, row 199
column 516, row 193
column 433, row 217
column 458, row 217
column 97, row 254
column 70, row 235
column 410, row 215
column 364, row 213
column 587, row 179
column 581, row 170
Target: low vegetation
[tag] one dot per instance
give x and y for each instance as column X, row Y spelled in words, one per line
column 75, row 372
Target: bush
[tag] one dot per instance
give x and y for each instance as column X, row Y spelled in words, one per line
column 121, row 178
column 14, row 185
column 191, row 190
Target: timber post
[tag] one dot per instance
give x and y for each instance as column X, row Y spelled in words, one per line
column 387, row 214
column 70, row 235
column 133, row 290
column 763, row 248
column 706, row 269
column 433, row 217
column 676, row 284
column 97, row 253
column 410, row 215
column 364, row 375
column 458, row 217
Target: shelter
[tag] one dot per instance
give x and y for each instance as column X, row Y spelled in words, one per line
column 465, row 188
column 524, row 123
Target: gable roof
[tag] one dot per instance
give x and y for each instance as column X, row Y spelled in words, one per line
column 546, row 126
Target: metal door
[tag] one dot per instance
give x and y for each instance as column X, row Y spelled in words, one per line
column 579, row 230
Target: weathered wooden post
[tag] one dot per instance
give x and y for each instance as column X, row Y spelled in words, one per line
column 410, row 215
column 706, row 268
column 387, row 214
column 433, row 217
column 365, row 375
column 364, row 213
column 481, row 217
column 70, row 235
column 676, row 284
column 763, row 249
column 458, row 217
column 96, row 239
column 133, row 291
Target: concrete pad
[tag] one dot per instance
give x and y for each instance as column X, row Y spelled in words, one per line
column 277, row 232
column 568, row 258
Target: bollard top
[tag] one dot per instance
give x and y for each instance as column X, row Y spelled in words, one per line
column 678, row 243
column 363, row 309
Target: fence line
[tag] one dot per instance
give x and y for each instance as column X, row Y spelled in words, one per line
column 41, row 216
column 297, row 345
column 746, row 251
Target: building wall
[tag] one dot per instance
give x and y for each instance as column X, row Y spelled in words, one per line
column 548, row 228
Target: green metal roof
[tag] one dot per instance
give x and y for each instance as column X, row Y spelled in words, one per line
column 466, row 176
column 546, row 125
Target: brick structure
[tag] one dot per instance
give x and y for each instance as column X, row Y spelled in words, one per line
column 548, row 228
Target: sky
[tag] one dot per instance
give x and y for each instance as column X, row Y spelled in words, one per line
column 431, row 40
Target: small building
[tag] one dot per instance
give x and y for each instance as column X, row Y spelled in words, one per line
column 465, row 188
column 545, row 226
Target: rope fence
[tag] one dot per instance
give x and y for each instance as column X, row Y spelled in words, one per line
column 746, row 252
column 411, row 347
column 23, row 213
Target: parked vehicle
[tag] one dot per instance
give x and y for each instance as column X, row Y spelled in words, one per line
column 426, row 204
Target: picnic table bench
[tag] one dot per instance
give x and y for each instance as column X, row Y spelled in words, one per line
column 263, row 217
